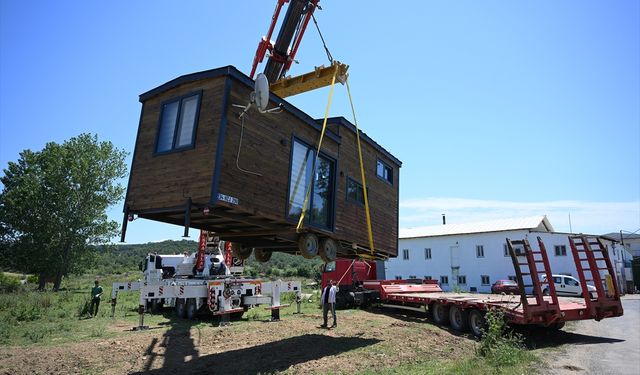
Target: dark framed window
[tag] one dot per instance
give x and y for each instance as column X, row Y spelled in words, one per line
column 444, row 280
column 321, row 203
column 519, row 250
column 485, row 279
column 479, row 251
column 384, row 171
column 428, row 278
column 178, row 124
column 355, row 192
column 405, row 254
column 398, row 277
column 462, row 280
column 512, row 278
column 561, row 250
column 427, row 253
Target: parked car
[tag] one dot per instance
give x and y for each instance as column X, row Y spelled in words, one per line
column 505, row 286
column 567, row 286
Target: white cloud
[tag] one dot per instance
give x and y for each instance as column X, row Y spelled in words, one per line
column 586, row 217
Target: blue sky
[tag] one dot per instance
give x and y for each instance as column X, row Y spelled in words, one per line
column 497, row 109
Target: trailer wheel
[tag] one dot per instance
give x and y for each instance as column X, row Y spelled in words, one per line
column 308, row 245
column 440, row 313
column 557, row 326
column 181, row 310
column 190, row 309
column 262, row 255
column 240, row 251
column 459, row 319
column 236, row 315
column 328, row 250
column 477, row 323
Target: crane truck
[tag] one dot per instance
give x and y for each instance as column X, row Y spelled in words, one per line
column 358, row 286
column 202, row 283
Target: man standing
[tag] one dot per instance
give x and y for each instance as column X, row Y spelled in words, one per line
column 96, row 293
column 328, row 300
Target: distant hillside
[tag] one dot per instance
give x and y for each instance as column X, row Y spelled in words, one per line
column 117, row 259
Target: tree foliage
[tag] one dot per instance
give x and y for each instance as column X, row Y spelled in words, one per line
column 53, row 205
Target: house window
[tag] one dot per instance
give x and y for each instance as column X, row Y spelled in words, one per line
column 427, row 253
column 512, row 278
column 413, row 277
column 384, row 171
column 462, row 280
column 428, row 278
column 355, row 192
column 561, row 250
column 320, row 204
column 405, row 254
column 485, row 279
column 398, row 277
column 479, row 251
column 178, row 120
column 444, row 280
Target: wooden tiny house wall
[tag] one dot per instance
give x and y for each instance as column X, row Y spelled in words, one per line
column 239, row 169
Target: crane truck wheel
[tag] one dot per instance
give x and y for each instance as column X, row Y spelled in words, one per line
column 477, row 323
column 459, row 319
column 308, row 245
column 262, row 255
column 156, row 306
column 328, row 250
column 191, row 309
column 557, row 326
column 440, row 313
column 181, row 310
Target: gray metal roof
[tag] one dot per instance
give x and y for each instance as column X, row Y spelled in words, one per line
column 535, row 223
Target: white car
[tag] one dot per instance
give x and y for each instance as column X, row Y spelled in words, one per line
column 567, row 286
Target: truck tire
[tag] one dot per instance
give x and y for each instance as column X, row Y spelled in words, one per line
column 191, row 309
column 439, row 313
column 556, row 326
column 236, row 315
column 240, row 251
column 459, row 319
column 477, row 323
column 308, row 245
column 328, row 250
column 156, row 306
column 181, row 310
column 262, row 255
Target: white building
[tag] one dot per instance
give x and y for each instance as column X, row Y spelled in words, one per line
column 472, row 256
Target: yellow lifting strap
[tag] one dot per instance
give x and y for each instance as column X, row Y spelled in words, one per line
column 364, row 181
column 324, row 127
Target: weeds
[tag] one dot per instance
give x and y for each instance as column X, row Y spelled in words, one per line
column 500, row 346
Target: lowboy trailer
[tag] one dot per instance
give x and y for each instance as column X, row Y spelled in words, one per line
column 465, row 311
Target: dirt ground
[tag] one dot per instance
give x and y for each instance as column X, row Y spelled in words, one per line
column 363, row 341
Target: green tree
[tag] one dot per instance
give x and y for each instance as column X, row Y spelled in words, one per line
column 53, row 205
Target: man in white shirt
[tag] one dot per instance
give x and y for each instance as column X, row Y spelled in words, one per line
column 328, row 301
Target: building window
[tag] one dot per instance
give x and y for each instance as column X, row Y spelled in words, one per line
column 427, row 253
column 561, row 250
column 178, row 120
column 519, row 250
column 462, row 280
column 485, row 280
column 384, row 171
column 355, row 192
column 398, row 277
column 479, row 251
column 444, row 280
column 320, row 204
column 405, row 254
column 512, row 278
column 428, row 278
column 413, row 277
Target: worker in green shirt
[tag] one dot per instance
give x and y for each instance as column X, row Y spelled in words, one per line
column 96, row 292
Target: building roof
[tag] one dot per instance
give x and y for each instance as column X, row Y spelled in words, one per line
column 534, row 223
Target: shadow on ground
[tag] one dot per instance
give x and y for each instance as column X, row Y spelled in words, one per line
column 181, row 357
column 539, row 337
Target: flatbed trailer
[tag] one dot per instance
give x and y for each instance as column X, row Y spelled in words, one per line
column 465, row 311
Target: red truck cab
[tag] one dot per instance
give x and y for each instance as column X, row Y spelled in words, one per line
column 349, row 275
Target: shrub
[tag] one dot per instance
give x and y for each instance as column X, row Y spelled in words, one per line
column 9, row 284
column 32, row 279
column 500, row 346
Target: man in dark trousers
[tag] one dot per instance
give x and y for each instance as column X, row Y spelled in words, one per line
column 328, row 300
column 96, row 293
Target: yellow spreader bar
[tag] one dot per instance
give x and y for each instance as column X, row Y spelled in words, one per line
column 322, row 76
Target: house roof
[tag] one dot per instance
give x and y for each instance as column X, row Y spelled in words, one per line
column 534, row 223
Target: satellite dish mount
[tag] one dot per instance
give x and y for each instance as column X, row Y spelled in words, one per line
column 259, row 97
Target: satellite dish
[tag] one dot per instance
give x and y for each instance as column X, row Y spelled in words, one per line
column 261, row 95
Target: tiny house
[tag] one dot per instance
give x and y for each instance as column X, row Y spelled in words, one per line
column 199, row 164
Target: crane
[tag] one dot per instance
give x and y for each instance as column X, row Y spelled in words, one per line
column 283, row 51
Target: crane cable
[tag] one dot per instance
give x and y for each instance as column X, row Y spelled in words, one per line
column 315, row 160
